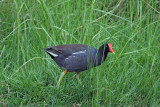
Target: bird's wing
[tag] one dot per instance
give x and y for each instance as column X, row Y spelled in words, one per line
column 66, row 50
column 76, row 61
column 80, row 60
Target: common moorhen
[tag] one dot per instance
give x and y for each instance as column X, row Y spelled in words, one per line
column 77, row 57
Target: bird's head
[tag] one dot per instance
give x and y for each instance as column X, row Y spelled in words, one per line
column 107, row 47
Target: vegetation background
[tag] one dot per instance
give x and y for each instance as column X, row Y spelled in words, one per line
column 28, row 76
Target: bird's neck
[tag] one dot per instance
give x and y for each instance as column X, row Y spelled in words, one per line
column 102, row 54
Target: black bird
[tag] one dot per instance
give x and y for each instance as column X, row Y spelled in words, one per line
column 77, row 57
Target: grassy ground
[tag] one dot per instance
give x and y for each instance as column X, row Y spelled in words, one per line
column 28, row 76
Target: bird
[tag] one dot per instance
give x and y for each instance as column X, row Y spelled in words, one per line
column 77, row 57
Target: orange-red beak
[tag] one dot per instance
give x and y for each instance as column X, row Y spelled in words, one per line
column 110, row 48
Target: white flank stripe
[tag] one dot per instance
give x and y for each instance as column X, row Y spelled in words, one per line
column 80, row 52
column 55, row 55
column 70, row 57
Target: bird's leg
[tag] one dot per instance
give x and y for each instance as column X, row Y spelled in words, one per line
column 62, row 74
column 77, row 75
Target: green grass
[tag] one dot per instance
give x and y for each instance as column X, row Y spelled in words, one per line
column 28, row 76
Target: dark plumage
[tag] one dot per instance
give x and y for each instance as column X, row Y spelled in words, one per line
column 77, row 57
